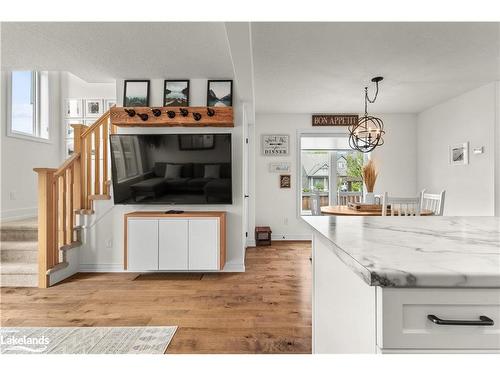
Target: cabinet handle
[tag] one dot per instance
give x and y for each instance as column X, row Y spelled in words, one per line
column 483, row 321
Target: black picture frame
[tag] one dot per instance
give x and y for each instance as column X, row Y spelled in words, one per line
column 127, row 103
column 226, row 103
column 166, row 82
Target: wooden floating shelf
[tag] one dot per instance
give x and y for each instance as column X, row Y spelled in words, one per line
column 223, row 117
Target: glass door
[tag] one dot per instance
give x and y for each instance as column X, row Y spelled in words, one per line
column 330, row 173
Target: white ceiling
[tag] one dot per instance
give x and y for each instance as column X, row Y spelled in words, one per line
column 323, row 67
column 100, row 52
column 297, row 67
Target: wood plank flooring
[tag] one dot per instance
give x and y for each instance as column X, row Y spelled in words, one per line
column 267, row 309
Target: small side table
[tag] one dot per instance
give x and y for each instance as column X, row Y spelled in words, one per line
column 263, row 236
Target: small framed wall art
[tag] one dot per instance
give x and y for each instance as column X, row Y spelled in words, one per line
column 136, row 93
column 459, row 154
column 285, row 181
column 108, row 103
column 279, row 167
column 73, row 108
column 220, row 93
column 93, row 107
column 275, row 144
column 176, row 93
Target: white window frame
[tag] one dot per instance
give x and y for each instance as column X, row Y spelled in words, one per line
column 37, row 115
column 337, row 132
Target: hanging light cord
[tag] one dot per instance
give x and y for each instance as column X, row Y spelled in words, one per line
column 368, row 100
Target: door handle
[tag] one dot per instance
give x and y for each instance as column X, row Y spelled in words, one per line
column 483, row 321
column 246, row 196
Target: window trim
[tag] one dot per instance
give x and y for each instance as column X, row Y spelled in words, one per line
column 36, row 125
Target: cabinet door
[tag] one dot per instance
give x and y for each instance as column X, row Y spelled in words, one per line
column 142, row 249
column 173, row 244
column 203, row 244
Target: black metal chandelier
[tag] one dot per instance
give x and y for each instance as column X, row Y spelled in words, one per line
column 368, row 132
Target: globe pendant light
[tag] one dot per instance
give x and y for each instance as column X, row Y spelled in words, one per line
column 368, row 132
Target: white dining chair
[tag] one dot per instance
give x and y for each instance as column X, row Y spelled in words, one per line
column 432, row 202
column 400, row 206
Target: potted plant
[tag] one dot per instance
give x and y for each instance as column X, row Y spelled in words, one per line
column 370, row 175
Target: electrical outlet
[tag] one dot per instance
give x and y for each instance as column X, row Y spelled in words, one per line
column 109, row 243
column 12, row 195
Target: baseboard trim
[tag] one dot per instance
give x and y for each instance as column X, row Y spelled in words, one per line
column 111, row 267
column 234, row 267
column 98, row 268
column 291, row 237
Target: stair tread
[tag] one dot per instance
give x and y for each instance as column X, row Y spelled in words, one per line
column 19, row 268
column 24, row 224
column 19, row 246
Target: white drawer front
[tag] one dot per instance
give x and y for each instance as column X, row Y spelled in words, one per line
column 402, row 318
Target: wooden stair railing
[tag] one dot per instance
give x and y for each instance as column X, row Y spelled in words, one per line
column 70, row 190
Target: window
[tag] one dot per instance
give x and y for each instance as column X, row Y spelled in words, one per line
column 29, row 110
column 127, row 158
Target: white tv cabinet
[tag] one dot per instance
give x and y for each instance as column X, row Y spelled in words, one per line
column 190, row 241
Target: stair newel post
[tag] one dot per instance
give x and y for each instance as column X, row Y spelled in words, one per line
column 46, row 222
column 79, row 179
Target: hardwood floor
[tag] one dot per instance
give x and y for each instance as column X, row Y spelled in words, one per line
column 267, row 309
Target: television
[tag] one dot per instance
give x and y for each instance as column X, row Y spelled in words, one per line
column 171, row 168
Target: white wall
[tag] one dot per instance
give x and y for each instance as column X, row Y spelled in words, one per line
column 75, row 87
column 103, row 248
column 20, row 156
column 470, row 189
column 497, row 150
column 277, row 207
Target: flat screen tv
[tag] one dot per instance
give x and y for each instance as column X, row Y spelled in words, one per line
column 171, row 168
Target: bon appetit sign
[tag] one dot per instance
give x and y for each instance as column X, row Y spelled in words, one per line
column 334, row 120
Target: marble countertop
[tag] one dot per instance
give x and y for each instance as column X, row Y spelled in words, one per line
column 436, row 251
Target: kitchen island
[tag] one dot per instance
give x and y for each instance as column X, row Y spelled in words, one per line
column 405, row 284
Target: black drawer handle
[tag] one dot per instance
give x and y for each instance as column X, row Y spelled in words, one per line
column 483, row 321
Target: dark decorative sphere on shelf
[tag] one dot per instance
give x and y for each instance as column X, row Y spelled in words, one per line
column 210, row 112
column 184, row 112
column 143, row 116
column 170, row 114
column 156, row 112
column 197, row 116
column 366, row 134
column 130, row 112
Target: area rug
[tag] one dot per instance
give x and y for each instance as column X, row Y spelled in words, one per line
column 85, row 340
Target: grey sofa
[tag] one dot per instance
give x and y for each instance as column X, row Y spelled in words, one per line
column 191, row 181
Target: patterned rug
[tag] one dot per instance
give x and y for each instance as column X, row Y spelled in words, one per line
column 85, row 340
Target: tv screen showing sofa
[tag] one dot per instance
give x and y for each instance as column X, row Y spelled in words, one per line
column 171, row 168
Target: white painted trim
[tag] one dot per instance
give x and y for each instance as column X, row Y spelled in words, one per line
column 496, row 161
column 113, row 267
column 19, row 213
column 103, row 267
column 329, row 132
column 250, row 243
column 291, row 237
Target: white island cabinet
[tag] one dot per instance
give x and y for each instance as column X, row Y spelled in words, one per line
column 406, row 285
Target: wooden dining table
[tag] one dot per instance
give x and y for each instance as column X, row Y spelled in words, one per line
column 346, row 211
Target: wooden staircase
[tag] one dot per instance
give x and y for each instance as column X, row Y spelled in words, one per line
column 70, row 191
